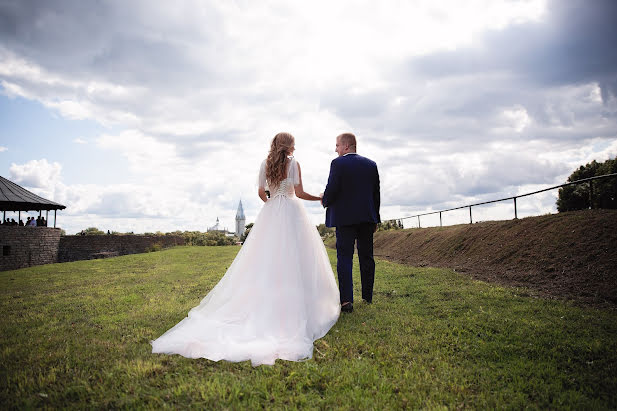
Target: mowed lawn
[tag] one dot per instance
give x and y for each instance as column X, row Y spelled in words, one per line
column 77, row 335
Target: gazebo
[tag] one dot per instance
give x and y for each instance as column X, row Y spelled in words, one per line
column 16, row 198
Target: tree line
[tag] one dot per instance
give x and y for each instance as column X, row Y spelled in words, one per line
column 197, row 238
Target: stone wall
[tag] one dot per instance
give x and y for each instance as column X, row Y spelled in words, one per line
column 27, row 246
column 88, row 247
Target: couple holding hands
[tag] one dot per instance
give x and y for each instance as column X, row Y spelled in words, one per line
column 279, row 294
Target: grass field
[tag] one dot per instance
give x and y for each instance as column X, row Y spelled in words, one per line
column 77, row 335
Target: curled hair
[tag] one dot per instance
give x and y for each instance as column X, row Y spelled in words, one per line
column 276, row 162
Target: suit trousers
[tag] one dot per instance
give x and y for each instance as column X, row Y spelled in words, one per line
column 346, row 237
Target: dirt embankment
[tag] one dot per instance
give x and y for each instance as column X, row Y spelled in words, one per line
column 567, row 255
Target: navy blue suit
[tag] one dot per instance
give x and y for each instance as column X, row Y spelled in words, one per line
column 352, row 200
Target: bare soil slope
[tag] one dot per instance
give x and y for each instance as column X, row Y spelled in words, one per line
column 567, row 255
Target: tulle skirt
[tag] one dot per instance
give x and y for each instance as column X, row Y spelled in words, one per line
column 277, row 297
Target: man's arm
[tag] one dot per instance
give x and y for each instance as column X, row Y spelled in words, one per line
column 333, row 187
column 376, row 195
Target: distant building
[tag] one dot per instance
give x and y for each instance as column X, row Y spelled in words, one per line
column 240, row 220
column 240, row 224
column 216, row 227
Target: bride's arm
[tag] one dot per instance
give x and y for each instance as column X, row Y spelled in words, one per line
column 300, row 190
column 262, row 183
column 262, row 194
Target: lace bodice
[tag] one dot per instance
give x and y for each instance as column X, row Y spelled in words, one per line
column 286, row 187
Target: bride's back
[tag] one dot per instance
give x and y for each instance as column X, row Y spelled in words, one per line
column 286, row 187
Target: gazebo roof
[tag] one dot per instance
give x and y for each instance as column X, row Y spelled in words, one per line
column 17, row 198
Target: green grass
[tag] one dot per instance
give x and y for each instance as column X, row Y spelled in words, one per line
column 77, row 335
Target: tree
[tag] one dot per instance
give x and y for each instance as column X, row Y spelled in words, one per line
column 576, row 196
column 246, row 232
column 210, row 238
column 325, row 232
column 218, row 238
column 92, row 231
column 390, row 225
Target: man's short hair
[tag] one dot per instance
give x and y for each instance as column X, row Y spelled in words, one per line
column 348, row 139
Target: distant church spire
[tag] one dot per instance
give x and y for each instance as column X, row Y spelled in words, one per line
column 240, row 220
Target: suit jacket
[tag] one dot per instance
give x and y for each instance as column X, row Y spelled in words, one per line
column 352, row 193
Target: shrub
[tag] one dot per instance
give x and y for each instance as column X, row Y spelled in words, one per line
column 93, row 231
column 154, row 247
column 210, row 238
column 325, row 232
column 390, row 225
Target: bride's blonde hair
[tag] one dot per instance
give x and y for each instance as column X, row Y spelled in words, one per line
column 277, row 158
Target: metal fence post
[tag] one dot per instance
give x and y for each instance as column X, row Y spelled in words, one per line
column 515, row 213
column 440, row 219
column 418, row 221
column 470, row 219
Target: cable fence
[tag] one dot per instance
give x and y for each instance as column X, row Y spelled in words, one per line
column 398, row 222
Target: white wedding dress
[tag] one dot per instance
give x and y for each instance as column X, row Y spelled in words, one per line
column 277, row 297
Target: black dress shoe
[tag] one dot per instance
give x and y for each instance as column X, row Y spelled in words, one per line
column 347, row 307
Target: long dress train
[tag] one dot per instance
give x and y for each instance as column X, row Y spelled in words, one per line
column 277, row 297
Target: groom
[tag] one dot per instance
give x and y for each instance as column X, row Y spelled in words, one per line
column 352, row 201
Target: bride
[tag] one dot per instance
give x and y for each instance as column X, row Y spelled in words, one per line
column 279, row 294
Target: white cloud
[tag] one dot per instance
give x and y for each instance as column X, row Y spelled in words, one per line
column 80, row 141
column 72, row 109
column 36, row 173
column 3, row 149
column 516, row 119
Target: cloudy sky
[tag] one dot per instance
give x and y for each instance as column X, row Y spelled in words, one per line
column 145, row 116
